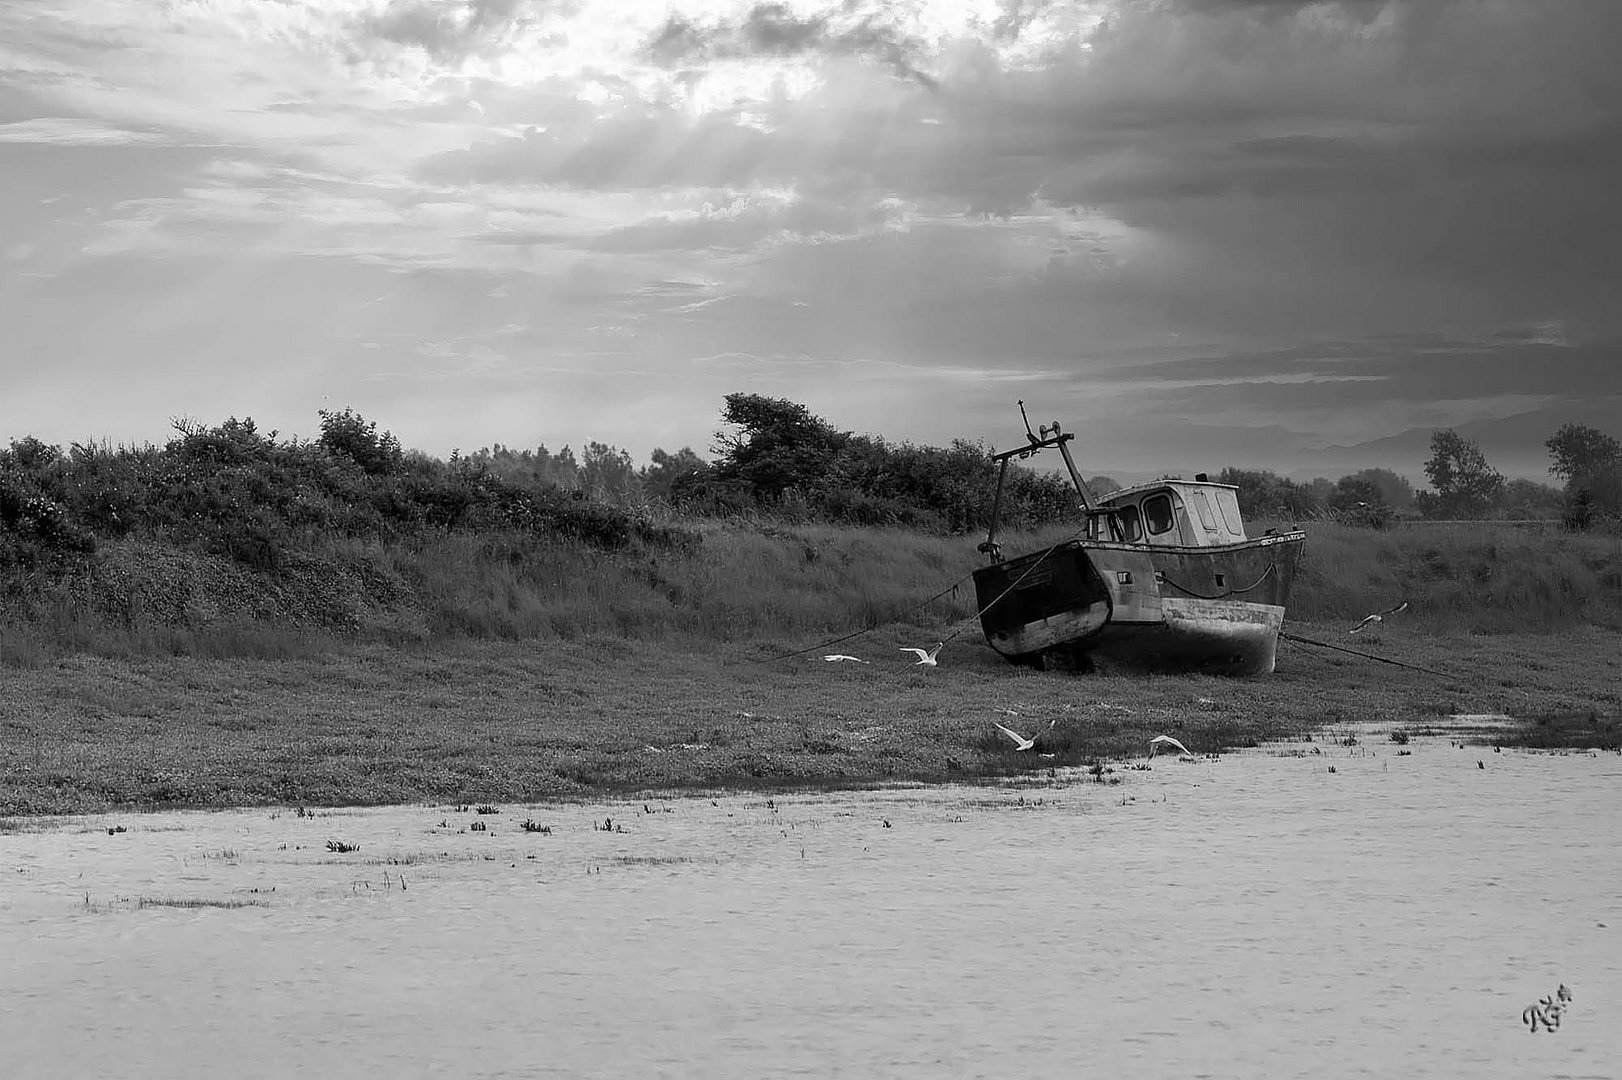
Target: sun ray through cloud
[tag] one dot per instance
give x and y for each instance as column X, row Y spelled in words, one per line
column 1169, row 206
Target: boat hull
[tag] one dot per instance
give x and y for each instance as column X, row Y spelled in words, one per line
column 1155, row 607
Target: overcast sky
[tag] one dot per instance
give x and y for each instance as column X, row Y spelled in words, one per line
column 1200, row 232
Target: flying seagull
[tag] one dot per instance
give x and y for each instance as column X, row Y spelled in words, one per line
column 1019, row 740
column 1377, row 617
column 926, row 658
column 834, row 658
column 1169, row 741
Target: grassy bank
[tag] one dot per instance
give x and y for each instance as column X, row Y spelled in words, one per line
column 722, row 583
column 508, row 722
column 1479, row 577
column 501, row 667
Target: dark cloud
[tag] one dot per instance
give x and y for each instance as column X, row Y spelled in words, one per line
column 1278, row 7
column 1396, row 372
column 774, row 30
column 1285, row 172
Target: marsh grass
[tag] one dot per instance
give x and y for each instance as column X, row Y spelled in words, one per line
column 185, row 903
column 651, row 860
column 1570, row 730
column 499, row 670
column 517, row 723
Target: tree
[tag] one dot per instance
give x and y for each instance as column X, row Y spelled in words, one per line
column 1359, row 501
column 1528, row 500
column 1579, row 451
column 779, row 445
column 1264, row 493
column 669, row 472
column 1590, row 462
column 351, row 435
column 1465, row 485
column 1394, row 489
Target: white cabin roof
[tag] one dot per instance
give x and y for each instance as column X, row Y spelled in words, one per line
column 1154, row 485
column 1193, row 513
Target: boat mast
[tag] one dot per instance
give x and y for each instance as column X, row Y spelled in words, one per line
column 989, row 546
column 1050, row 436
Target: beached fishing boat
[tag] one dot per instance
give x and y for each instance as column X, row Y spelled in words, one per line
column 1162, row 577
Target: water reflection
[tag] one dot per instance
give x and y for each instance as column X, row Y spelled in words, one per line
column 1251, row 916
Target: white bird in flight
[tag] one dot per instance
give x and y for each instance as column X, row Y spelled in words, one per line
column 1377, row 617
column 1169, row 741
column 834, row 658
column 1020, row 741
column 925, row 657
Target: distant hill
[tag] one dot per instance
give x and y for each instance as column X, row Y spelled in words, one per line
column 1513, row 445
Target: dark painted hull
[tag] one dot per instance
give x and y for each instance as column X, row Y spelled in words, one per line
column 1156, row 607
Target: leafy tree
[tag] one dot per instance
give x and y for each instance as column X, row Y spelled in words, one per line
column 1465, row 485
column 779, row 444
column 31, row 455
column 1579, row 451
column 348, row 434
column 783, row 457
column 1359, row 501
column 1395, row 490
column 1264, row 493
column 669, row 474
column 1590, row 462
column 606, row 471
column 1528, row 500
column 538, row 467
column 1598, row 497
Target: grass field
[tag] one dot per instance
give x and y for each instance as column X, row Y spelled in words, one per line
column 499, row 721
column 501, row 668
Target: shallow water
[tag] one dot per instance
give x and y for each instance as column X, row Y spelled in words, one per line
column 1256, row 915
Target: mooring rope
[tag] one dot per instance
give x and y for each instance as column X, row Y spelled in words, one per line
column 962, row 624
column 866, row 629
column 1366, row 656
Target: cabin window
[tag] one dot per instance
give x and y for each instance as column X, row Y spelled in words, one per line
column 1202, row 507
column 1131, row 524
column 1157, row 514
column 1228, row 503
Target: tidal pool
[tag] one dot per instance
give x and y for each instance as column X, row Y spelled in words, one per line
column 1310, row 909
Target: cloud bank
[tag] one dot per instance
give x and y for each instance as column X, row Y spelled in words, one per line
column 1236, row 227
